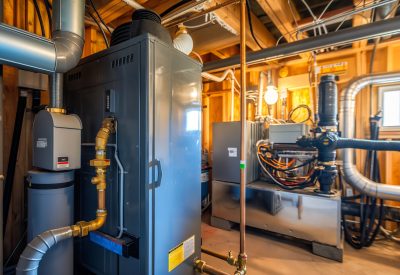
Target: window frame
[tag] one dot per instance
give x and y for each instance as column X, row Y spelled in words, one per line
column 381, row 91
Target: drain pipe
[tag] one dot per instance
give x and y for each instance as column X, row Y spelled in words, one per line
column 347, row 114
column 226, row 74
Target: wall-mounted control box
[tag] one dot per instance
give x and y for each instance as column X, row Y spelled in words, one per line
column 57, row 141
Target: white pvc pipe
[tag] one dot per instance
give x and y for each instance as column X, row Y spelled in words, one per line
column 133, row 4
column 221, row 78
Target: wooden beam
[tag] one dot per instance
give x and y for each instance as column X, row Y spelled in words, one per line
column 231, row 15
column 115, row 9
column 361, row 19
column 280, row 14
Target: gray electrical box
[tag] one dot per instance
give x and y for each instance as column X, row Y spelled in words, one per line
column 287, row 133
column 226, row 151
column 56, row 141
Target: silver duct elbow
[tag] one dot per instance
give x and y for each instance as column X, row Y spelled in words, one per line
column 347, row 115
column 28, row 51
column 33, row 253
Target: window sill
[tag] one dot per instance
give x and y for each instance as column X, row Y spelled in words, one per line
column 389, row 133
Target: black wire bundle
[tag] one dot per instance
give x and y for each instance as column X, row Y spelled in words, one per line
column 370, row 217
column 290, row 180
column 35, row 3
column 301, row 106
column 248, row 5
column 49, row 16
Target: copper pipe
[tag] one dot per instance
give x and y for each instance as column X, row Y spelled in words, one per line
column 100, row 163
column 242, row 258
column 203, row 267
column 227, row 258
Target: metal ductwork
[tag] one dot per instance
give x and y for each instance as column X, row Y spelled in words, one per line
column 28, row 51
column 347, row 113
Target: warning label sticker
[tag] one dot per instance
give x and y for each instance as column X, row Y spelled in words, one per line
column 180, row 253
column 62, row 162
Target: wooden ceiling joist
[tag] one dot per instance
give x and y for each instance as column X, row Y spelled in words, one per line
column 231, row 16
column 283, row 14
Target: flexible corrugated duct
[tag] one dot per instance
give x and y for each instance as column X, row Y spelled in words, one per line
column 347, row 114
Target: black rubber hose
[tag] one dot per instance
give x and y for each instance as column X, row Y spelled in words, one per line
column 35, row 3
column 375, row 145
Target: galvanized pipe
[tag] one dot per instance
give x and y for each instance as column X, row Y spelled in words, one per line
column 341, row 37
column 28, row 51
column 347, row 115
column 56, row 88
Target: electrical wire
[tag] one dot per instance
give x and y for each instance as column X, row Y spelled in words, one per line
column 289, row 180
column 301, row 106
column 39, row 14
column 48, row 10
column 251, row 24
column 101, row 29
column 100, row 18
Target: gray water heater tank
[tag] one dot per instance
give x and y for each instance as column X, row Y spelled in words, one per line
column 50, row 206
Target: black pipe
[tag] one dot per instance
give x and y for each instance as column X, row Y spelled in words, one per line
column 12, row 159
column 374, row 145
column 328, row 101
column 341, row 37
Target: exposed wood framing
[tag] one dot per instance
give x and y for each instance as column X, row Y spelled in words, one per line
column 230, row 15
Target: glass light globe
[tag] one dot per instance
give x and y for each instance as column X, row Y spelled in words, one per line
column 271, row 95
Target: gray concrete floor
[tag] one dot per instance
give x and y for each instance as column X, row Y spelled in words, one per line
column 270, row 254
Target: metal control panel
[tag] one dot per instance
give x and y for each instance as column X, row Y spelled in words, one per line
column 57, row 141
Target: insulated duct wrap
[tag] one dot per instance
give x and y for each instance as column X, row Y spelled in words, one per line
column 347, row 114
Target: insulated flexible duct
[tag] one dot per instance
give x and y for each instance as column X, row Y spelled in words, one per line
column 347, row 113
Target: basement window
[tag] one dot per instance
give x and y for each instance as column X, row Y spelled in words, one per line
column 389, row 103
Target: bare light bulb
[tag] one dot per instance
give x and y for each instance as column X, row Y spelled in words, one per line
column 271, row 95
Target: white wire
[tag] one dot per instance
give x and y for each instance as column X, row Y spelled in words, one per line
column 198, row 56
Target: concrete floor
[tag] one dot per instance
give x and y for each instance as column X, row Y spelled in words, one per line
column 270, row 255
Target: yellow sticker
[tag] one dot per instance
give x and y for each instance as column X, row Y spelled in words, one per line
column 180, row 253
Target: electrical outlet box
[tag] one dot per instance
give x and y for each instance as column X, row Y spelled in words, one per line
column 57, row 141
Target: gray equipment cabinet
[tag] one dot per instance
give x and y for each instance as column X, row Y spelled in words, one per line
column 154, row 92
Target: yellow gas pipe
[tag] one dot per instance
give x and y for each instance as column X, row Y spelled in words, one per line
column 101, row 163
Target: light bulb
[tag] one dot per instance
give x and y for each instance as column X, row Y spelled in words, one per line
column 271, row 95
